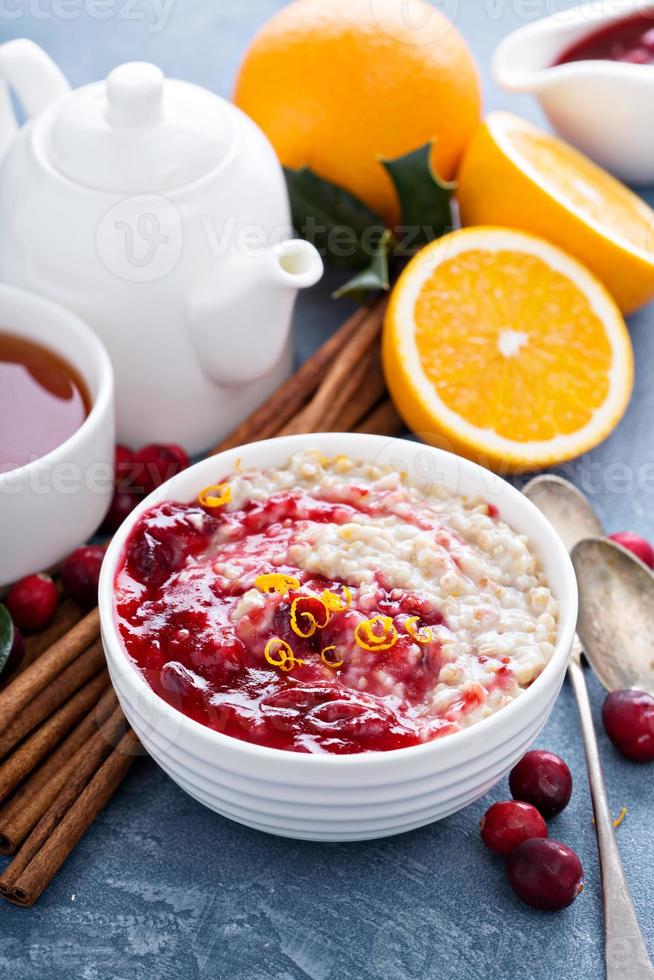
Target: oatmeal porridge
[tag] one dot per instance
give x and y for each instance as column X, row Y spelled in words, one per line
column 329, row 606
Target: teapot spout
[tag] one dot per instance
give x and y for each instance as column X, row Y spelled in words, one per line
column 240, row 316
column 296, row 264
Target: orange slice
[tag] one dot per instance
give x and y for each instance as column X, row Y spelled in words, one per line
column 499, row 346
column 518, row 176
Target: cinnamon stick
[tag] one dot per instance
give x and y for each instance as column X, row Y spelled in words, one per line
column 28, row 755
column 63, row 790
column 266, row 420
column 69, row 831
column 28, row 804
column 16, row 695
column 364, row 399
column 52, row 696
column 339, row 372
column 328, row 421
column 66, row 616
column 382, row 421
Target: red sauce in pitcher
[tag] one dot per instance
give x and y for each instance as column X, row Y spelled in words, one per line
column 629, row 40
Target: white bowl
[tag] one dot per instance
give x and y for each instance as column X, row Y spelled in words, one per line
column 354, row 797
column 50, row 506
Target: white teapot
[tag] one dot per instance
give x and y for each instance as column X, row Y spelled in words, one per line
column 158, row 212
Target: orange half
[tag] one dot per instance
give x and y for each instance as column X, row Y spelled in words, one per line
column 501, row 347
column 518, row 176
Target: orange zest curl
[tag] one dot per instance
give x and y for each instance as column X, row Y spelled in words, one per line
column 276, row 582
column 374, row 634
column 280, row 654
column 217, row 495
column 335, row 664
column 335, row 602
column 422, row 635
column 618, row 820
column 312, row 622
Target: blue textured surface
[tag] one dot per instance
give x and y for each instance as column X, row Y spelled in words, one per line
column 161, row 887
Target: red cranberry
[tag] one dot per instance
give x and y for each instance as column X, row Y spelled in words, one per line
column 33, row 602
column 639, row 56
column 122, row 504
column 542, row 779
column 507, row 824
column 545, row 874
column 639, row 546
column 155, row 464
column 180, row 455
column 151, row 560
column 628, row 718
column 80, row 574
column 123, row 465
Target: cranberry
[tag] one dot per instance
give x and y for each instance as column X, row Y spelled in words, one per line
column 639, row 546
column 545, row 873
column 151, row 559
column 124, row 465
column 639, row 56
column 628, row 718
column 507, row 824
column 178, row 679
column 154, row 464
column 33, row 602
column 180, row 455
column 80, row 574
column 543, row 779
column 122, row 504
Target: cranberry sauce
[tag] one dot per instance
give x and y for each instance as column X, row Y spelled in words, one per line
column 630, row 39
column 42, row 401
column 275, row 664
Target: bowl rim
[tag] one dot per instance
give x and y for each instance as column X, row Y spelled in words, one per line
column 117, row 656
column 101, row 402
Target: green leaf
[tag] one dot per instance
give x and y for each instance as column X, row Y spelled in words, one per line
column 425, row 199
column 374, row 277
column 6, row 636
column 342, row 228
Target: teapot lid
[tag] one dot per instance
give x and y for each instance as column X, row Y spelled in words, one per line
column 138, row 132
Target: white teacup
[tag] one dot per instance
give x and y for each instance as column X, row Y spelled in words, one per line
column 51, row 505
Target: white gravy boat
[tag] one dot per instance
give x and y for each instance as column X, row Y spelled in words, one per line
column 605, row 108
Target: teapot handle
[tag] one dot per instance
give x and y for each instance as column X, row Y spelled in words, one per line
column 36, row 80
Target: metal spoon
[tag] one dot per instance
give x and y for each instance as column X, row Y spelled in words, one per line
column 571, row 514
column 616, row 614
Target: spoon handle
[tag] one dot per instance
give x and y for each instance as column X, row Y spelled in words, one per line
column 626, row 952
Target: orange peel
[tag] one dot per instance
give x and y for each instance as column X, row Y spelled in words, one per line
column 216, row 495
column 276, row 582
column 280, row 654
column 334, row 602
column 422, row 635
column 334, row 664
column 306, row 614
column 368, row 637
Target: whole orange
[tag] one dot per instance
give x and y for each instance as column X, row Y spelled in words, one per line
column 337, row 84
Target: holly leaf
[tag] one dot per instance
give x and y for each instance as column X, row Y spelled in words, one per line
column 6, row 636
column 425, row 199
column 374, row 277
column 343, row 229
